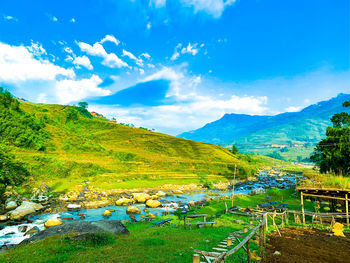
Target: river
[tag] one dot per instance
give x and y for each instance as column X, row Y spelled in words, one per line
column 14, row 234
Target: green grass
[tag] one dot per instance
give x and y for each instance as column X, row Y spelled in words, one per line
column 117, row 156
column 144, row 244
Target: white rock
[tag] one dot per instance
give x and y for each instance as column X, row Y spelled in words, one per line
column 73, row 206
column 24, row 209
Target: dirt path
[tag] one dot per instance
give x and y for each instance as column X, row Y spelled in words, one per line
column 307, row 246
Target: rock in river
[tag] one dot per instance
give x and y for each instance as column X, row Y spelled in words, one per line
column 24, row 209
column 153, row 203
column 81, row 227
column 141, row 197
column 133, row 210
column 53, row 222
column 123, row 201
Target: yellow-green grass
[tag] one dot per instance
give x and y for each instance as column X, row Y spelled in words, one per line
column 117, row 156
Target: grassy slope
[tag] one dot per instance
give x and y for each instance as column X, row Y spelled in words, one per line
column 117, row 156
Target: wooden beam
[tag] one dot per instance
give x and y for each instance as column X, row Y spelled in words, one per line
column 324, row 196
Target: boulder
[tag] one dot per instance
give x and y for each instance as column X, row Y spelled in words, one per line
column 161, row 194
column 3, row 218
column 107, row 213
column 141, row 197
column 123, row 201
column 53, row 222
column 153, row 203
column 154, row 197
column 177, row 192
column 24, row 209
column 11, row 205
column 133, row 210
column 80, row 227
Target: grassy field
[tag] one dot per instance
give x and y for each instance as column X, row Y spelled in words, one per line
column 144, row 244
column 110, row 155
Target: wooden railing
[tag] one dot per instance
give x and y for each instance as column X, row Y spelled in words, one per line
column 220, row 257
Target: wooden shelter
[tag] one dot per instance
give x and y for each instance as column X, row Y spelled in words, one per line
column 325, row 193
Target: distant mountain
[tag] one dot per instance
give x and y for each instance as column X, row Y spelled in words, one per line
column 291, row 134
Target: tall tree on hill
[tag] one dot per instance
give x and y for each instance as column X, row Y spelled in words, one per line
column 332, row 154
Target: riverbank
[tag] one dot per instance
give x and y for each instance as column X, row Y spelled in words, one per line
column 144, row 244
column 167, row 201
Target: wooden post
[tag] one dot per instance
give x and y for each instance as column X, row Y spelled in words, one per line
column 261, row 238
column 196, row 258
column 185, row 221
column 266, row 223
column 347, row 209
column 233, row 184
column 248, row 252
column 302, row 206
column 229, row 242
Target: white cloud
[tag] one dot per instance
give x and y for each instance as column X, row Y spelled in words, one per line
column 176, row 52
column 7, row 17
column 110, row 38
column 293, row 109
column 128, row 54
column 55, row 19
column 189, row 49
column 213, row 8
column 38, row 79
column 72, row 20
column 158, row 3
column 68, row 90
column 149, row 25
column 145, row 55
column 19, row 64
column 36, row 49
column 109, row 59
column 83, row 61
column 68, row 50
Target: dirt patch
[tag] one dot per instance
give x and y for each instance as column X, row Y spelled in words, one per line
column 307, row 246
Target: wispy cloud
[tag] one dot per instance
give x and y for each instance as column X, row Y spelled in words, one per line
column 214, row 8
column 189, row 49
column 110, row 38
column 9, row 18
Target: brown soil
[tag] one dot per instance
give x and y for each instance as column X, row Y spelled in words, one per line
column 307, row 246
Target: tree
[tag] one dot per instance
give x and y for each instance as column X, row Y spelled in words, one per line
column 332, row 154
column 234, row 149
column 83, row 104
column 11, row 172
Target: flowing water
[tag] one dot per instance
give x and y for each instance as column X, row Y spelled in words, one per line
column 14, row 234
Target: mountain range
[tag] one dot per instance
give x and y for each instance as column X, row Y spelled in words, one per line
column 291, row 134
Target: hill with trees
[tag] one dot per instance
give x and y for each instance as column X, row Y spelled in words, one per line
column 64, row 146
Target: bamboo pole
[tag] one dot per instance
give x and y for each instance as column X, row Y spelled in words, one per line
column 233, row 184
column 347, row 209
column 248, row 252
column 302, row 206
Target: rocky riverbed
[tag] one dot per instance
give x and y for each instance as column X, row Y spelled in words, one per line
column 24, row 218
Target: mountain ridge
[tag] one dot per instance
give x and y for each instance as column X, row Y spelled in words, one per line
column 306, row 126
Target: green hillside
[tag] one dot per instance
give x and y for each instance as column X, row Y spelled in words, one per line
column 70, row 147
column 294, row 133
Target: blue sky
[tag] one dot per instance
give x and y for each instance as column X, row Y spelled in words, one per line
column 174, row 65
